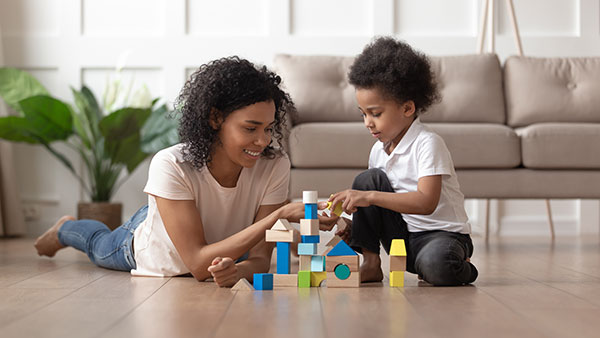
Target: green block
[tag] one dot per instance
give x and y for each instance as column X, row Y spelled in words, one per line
column 304, row 279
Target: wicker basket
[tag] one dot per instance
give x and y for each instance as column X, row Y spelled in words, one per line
column 107, row 213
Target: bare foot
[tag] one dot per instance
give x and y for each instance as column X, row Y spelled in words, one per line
column 370, row 269
column 48, row 244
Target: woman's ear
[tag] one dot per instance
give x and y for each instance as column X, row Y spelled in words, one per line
column 408, row 108
column 215, row 119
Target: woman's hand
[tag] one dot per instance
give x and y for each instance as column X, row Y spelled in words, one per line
column 294, row 212
column 350, row 199
column 224, row 271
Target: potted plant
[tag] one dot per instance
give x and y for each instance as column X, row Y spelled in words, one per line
column 108, row 144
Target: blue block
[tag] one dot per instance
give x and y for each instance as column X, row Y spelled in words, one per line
column 283, row 258
column 317, row 264
column 308, row 249
column 263, row 281
column 311, row 239
column 310, row 211
column 342, row 249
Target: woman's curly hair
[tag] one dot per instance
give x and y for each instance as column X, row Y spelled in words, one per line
column 217, row 89
column 398, row 71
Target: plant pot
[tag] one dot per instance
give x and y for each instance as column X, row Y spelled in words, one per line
column 105, row 212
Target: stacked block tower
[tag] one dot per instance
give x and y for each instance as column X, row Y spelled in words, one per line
column 283, row 234
column 397, row 263
column 312, row 266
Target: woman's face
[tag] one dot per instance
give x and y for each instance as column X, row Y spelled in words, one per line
column 245, row 133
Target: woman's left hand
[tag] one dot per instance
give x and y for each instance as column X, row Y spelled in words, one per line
column 350, row 199
column 224, row 271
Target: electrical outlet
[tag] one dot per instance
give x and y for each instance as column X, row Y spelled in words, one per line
column 31, row 212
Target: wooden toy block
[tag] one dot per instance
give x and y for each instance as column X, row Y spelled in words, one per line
column 342, row 271
column 353, row 281
column 305, row 263
column 342, row 223
column 332, row 261
column 316, row 264
column 342, row 249
column 398, row 248
column 397, row 279
column 242, row 285
column 282, row 236
column 397, row 263
column 309, row 227
column 316, row 278
column 307, row 249
column 310, row 197
column 282, row 224
column 310, row 239
column 263, row 281
column 303, row 279
column 338, row 208
column 283, row 258
column 334, row 241
column 310, row 211
column 287, row 280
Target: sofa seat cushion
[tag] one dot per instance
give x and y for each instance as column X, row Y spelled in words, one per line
column 348, row 144
column 561, row 145
column 480, row 145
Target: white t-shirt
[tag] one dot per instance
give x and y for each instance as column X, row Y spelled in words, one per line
column 224, row 211
column 421, row 152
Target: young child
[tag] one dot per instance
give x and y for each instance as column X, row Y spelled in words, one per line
column 211, row 197
column 410, row 190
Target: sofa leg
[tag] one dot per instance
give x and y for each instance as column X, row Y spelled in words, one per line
column 487, row 220
column 549, row 212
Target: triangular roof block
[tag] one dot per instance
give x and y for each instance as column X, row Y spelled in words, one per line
column 242, row 285
column 341, row 249
column 398, row 248
column 282, row 224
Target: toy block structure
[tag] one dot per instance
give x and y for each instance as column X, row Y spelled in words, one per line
column 285, row 280
column 342, row 266
column 397, row 263
column 283, row 233
column 242, row 285
column 263, row 281
column 316, row 278
column 303, row 279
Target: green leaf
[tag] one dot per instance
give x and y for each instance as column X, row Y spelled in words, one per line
column 159, row 131
column 16, row 85
column 49, row 117
column 16, row 129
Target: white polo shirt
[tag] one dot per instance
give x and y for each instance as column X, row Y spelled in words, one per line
column 421, row 152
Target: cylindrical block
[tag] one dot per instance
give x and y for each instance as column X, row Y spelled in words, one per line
column 310, row 197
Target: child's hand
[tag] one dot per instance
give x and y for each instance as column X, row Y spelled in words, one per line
column 224, row 271
column 350, row 199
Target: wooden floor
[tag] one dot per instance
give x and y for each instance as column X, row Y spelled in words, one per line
column 528, row 287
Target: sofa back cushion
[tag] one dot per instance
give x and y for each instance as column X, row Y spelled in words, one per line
column 552, row 90
column 471, row 89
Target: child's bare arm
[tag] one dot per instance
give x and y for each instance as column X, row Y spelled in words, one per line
column 423, row 201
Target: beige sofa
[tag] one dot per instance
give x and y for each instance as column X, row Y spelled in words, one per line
column 527, row 129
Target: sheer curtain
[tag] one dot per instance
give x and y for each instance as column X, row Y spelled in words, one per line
column 12, row 222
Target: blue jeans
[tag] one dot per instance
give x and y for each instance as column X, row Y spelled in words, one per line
column 105, row 248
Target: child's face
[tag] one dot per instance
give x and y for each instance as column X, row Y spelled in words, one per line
column 245, row 133
column 386, row 119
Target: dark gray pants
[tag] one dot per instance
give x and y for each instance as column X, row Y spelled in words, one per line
column 439, row 257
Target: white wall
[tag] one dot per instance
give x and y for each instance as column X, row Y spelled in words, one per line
column 68, row 42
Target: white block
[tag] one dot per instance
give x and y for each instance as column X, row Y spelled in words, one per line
column 310, row 197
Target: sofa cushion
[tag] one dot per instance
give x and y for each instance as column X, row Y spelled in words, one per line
column 561, row 145
column 471, row 89
column 480, row 145
column 552, row 90
column 348, row 144
column 319, row 87
column 330, row 145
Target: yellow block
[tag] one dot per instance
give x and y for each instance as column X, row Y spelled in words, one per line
column 317, row 277
column 398, row 248
column 338, row 208
column 397, row 279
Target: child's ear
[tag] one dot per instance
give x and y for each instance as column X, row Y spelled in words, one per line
column 408, row 108
column 215, row 119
